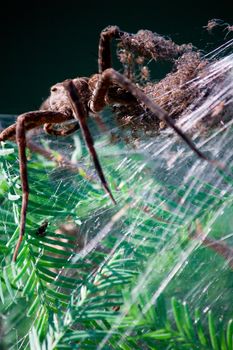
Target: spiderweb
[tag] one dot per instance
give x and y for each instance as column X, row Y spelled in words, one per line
column 100, row 275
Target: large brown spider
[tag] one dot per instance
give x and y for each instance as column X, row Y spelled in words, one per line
column 74, row 99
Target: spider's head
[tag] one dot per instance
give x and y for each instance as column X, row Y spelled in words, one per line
column 58, row 99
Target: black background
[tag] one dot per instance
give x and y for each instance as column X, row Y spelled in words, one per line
column 46, row 41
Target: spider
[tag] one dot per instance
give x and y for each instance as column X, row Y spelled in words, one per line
column 41, row 231
column 75, row 99
column 229, row 29
column 213, row 23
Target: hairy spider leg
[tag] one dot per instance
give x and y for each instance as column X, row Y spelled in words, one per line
column 81, row 115
column 49, row 129
column 25, row 122
column 104, row 55
column 110, row 76
column 21, row 141
column 34, row 120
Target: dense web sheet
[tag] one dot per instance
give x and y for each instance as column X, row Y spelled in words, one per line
column 100, row 275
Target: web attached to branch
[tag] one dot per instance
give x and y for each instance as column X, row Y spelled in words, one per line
column 94, row 274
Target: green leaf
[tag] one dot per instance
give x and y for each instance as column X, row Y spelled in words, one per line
column 212, row 330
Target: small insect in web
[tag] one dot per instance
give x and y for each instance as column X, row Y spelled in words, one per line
column 41, row 231
column 75, row 99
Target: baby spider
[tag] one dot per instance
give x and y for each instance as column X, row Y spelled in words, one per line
column 229, row 29
column 213, row 23
column 75, row 99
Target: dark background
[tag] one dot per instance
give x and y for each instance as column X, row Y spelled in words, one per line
column 46, row 41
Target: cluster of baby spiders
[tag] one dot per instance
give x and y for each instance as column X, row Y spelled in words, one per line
column 75, row 99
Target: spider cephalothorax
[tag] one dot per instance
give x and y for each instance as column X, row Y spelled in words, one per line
column 58, row 101
column 74, row 99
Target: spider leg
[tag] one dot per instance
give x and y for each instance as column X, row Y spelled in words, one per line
column 49, row 129
column 106, row 36
column 59, row 158
column 33, row 120
column 26, row 122
column 100, row 123
column 21, row 141
column 81, row 115
column 111, row 76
